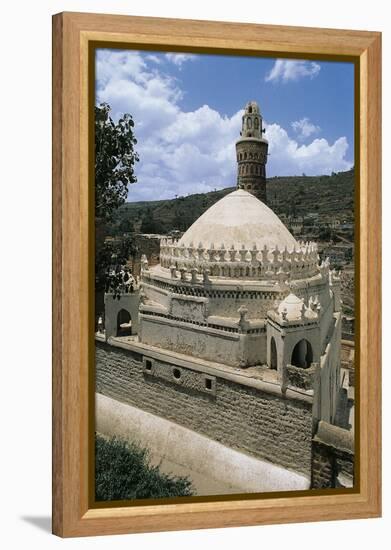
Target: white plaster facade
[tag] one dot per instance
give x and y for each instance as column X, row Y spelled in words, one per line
column 238, row 289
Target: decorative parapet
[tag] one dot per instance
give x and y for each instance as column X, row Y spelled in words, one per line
column 335, row 277
column 196, row 323
column 265, row 264
column 307, row 316
column 302, row 378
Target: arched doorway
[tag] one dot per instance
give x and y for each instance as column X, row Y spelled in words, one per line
column 302, row 354
column 124, row 323
column 273, row 354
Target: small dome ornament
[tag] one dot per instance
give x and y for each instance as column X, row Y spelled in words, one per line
column 292, row 308
column 243, row 323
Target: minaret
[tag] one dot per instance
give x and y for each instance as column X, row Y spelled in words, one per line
column 251, row 153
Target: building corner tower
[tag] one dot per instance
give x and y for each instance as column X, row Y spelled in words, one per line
column 251, row 153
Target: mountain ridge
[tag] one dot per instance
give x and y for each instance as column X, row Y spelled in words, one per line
column 294, row 196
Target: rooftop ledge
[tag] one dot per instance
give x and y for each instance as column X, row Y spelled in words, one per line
column 261, row 377
column 163, row 275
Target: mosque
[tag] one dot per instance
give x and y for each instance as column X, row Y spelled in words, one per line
column 235, row 337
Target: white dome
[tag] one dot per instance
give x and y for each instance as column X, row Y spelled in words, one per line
column 292, row 306
column 239, row 219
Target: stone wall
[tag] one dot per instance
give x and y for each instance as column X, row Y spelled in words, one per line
column 148, row 245
column 223, row 345
column 267, row 426
column 190, row 339
column 333, row 457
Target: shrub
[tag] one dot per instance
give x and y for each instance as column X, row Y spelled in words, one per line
column 123, row 471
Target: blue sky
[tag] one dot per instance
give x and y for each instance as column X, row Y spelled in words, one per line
column 187, row 111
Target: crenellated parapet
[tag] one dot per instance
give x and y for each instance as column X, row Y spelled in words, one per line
column 288, row 314
column 267, row 263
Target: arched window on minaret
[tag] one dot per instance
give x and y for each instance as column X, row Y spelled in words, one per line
column 256, row 123
column 249, row 123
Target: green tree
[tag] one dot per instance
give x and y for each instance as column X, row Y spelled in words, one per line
column 150, row 225
column 123, row 471
column 114, row 161
column 125, row 226
column 115, row 158
column 112, row 253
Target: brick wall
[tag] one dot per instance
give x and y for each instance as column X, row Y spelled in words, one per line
column 243, row 418
column 332, row 457
column 323, row 467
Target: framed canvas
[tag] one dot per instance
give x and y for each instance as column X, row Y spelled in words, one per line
column 216, row 327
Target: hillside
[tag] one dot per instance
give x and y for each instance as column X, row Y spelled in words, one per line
column 295, row 196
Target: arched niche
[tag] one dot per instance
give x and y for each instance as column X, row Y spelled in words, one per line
column 124, row 323
column 302, row 355
column 273, row 354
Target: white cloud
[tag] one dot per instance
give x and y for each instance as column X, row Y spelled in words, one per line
column 288, row 158
column 125, row 81
column 304, row 128
column 184, row 152
column 154, row 58
column 285, row 70
column 179, row 58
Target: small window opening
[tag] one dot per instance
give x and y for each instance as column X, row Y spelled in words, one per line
column 148, row 364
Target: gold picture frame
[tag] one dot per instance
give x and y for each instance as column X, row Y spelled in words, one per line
column 75, row 35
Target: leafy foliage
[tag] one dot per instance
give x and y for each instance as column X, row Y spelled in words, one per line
column 111, row 254
column 123, row 471
column 114, row 171
column 150, row 225
column 114, row 161
column 119, row 281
